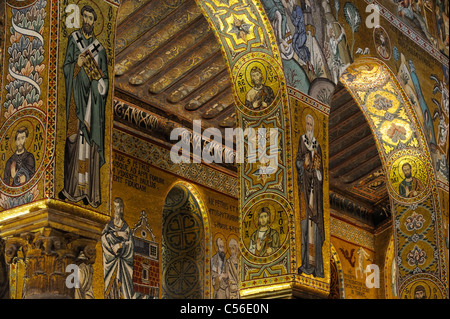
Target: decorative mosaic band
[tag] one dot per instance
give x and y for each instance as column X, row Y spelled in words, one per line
column 404, row 152
column 350, row 233
column 254, row 64
column 160, row 157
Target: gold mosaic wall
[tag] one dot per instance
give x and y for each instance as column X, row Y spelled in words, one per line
column 144, row 189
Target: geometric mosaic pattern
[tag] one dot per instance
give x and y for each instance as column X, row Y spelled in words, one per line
column 183, row 248
column 248, row 43
column 352, row 234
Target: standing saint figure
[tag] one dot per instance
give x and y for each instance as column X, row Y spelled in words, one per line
column 260, row 95
column 310, row 181
column 118, row 255
column 86, row 78
column 410, row 186
column 233, row 269
column 265, row 240
column 219, row 271
column 20, row 167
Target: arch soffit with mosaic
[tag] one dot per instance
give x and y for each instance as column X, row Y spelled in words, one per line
column 399, row 138
column 256, row 47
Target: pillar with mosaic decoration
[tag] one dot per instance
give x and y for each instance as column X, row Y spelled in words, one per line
column 55, row 130
column 270, row 211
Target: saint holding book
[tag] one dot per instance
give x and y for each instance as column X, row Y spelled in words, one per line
column 87, row 84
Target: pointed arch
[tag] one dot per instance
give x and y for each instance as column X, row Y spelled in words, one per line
column 411, row 180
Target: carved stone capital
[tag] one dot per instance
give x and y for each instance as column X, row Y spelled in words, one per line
column 46, row 254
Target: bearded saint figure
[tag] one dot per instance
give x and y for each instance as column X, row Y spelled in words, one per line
column 310, row 180
column 86, row 78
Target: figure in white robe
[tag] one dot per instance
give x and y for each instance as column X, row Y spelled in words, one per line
column 118, row 256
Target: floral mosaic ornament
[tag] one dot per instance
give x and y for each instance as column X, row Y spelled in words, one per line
column 414, row 222
column 23, row 112
column 406, row 158
column 26, row 51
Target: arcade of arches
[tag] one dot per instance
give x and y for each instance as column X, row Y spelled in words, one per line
column 224, row 149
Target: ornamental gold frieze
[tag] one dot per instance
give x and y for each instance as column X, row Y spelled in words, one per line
column 161, row 128
column 159, row 156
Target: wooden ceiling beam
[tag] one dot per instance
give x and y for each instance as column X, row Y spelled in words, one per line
column 354, row 159
column 208, row 71
column 339, row 92
column 336, row 111
column 350, row 120
column 358, row 130
column 362, row 141
column 142, row 20
column 349, row 171
column 369, row 170
column 156, row 37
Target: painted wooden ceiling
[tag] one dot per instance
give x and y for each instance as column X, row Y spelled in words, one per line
column 356, row 171
column 169, row 62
